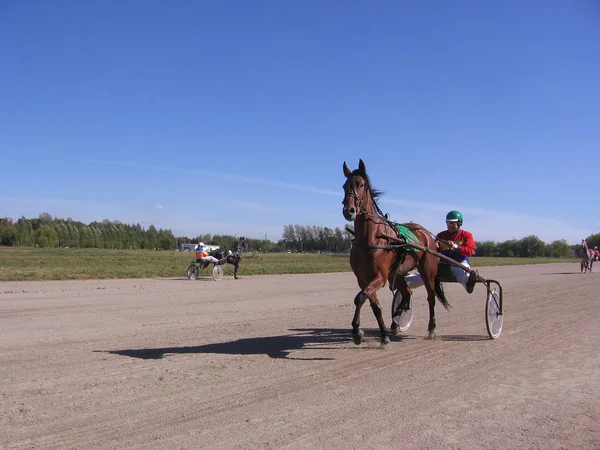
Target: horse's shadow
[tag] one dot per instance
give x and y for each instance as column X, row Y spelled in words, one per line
column 201, row 278
column 562, row 273
column 272, row 346
column 463, row 338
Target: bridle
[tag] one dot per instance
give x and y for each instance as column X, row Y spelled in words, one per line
column 359, row 201
column 350, row 191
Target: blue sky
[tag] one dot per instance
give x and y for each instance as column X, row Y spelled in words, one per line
column 235, row 117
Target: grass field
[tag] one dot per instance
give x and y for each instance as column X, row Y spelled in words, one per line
column 18, row 264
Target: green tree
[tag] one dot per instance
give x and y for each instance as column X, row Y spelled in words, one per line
column 593, row 240
column 485, row 248
column 531, row 246
column 63, row 234
column 558, row 249
column 25, row 233
column 45, row 218
column 8, row 234
column 45, row 236
column 510, row 248
column 289, row 237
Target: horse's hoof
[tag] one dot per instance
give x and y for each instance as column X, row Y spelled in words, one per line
column 358, row 337
column 431, row 335
column 385, row 340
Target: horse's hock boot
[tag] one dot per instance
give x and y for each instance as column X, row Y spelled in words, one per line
column 471, row 281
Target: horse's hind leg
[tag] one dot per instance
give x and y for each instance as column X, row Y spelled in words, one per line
column 428, row 269
column 431, row 301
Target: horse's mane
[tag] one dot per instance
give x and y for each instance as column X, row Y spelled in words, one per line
column 375, row 193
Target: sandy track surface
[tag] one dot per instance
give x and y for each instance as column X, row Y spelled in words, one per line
column 268, row 362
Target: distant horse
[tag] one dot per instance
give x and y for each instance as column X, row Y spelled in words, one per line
column 587, row 257
column 374, row 262
column 233, row 254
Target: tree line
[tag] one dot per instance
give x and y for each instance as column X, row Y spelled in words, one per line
column 46, row 231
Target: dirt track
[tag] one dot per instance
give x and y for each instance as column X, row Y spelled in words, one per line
column 269, row 362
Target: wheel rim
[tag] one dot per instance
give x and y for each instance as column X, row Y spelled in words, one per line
column 493, row 317
column 192, row 272
column 404, row 320
column 217, row 272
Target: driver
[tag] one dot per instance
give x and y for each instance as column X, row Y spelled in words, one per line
column 203, row 256
column 456, row 244
column 459, row 245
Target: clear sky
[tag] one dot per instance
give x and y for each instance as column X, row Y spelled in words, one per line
column 235, row 117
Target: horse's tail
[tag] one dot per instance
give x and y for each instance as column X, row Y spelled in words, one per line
column 439, row 291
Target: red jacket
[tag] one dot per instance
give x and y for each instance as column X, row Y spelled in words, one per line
column 464, row 240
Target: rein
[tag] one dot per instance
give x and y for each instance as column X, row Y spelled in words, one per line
column 401, row 243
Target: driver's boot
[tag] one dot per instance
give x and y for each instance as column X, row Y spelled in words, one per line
column 471, row 281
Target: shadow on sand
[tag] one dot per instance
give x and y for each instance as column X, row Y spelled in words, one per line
column 464, row 337
column 272, row 346
column 278, row 346
column 562, row 273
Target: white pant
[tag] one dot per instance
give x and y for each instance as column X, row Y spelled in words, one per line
column 209, row 259
column 414, row 280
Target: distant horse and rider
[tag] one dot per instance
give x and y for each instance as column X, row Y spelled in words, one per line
column 587, row 256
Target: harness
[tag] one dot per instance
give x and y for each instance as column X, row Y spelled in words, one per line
column 400, row 243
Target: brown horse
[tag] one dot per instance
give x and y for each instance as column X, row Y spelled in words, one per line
column 375, row 262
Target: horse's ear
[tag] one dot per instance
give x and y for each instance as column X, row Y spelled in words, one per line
column 347, row 171
column 361, row 167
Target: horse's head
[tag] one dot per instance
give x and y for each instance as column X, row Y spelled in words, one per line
column 241, row 244
column 356, row 191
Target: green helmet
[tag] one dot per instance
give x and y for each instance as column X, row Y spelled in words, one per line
column 454, row 216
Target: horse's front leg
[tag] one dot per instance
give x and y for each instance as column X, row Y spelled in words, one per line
column 358, row 334
column 369, row 292
column 376, row 307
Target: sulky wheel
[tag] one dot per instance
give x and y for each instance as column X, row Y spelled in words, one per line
column 217, row 272
column 404, row 320
column 192, row 272
column 493, row 317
